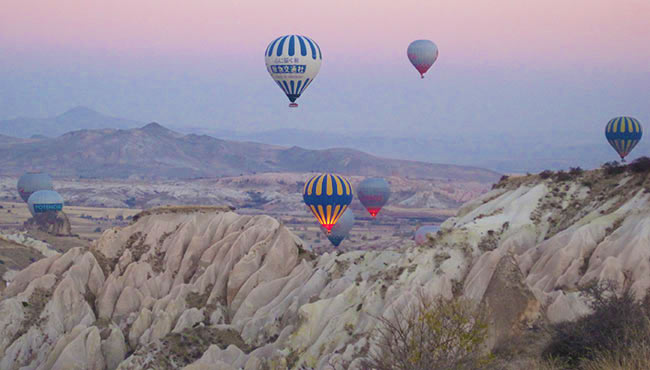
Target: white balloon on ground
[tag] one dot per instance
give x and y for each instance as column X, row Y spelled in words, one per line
column 44, row 201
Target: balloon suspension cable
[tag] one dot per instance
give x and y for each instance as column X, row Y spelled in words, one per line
column 293, row 105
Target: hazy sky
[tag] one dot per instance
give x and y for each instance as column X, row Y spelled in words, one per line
column 504, row 65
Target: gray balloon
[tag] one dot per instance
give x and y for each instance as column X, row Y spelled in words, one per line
column 342, row 228
column 44, row 201
column 373, row 193
column 32, row 182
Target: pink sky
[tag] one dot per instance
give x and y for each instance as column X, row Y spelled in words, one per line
column 550, row 33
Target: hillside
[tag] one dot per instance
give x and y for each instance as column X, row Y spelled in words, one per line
column 77, row 118
column 199, row 288
column 155, row 152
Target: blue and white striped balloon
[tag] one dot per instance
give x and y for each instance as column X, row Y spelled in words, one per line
column 293, row 61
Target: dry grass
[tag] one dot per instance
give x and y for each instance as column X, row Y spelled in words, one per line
column 636, row 357
column 182, row 209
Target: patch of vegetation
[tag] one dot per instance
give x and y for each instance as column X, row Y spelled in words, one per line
column 304, row 254
column 613, row 168
column 137, row 246
column 488, row 242
column 636, row 357
column 640, row 165
column 576, row 171
column 618, row 322
column 182, row 210
column 546, row 174
column 156, row 260
column 439, row 258
column 435, row 334
column 106, row 264
column 502, row 182
column 562, row 176
column 33, row 309
column 181, row 349
column 200, row 301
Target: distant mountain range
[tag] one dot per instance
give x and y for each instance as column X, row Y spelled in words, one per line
column 532, row 150
column 77, row 118
column 155, row 152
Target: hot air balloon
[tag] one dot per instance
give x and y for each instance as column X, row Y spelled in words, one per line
column 327, row 196
column 623, row 133
column 31, row 182
column 422, row 54
column 293, row 61
column 373, row 193
column 342, row 228
column 421, row 233
column 44, row 201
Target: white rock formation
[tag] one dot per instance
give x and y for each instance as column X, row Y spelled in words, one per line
column 199, row 289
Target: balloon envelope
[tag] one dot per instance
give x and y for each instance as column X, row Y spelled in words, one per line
column 422, row 54
column 342, row 228
column 45, row 201
column 327, row 196
column 623, row 133
column 421, row 234
column 32, row 182
column 373, row 193
column 293, row 62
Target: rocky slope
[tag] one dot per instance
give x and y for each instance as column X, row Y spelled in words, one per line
column 207, row 288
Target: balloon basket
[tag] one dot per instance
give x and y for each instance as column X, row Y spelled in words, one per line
column 293, row 105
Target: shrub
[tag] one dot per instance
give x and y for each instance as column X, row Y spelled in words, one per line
column 562, row 176
column 613, row 168
column 546, row 174
column 636, row 357
column 616, row 323
column 435, row 334
column 576, row 171
column 640, row 165
column 501, row 182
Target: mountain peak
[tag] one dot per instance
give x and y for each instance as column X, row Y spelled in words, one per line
column 155, row 126
column 158, row 129
column 79, row 112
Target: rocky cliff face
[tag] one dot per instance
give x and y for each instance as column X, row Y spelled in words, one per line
column 205, row 288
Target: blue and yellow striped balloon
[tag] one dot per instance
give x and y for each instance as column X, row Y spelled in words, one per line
column 327, row 196
column 623, row 133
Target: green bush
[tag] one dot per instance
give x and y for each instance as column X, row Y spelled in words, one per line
column 613, row 168
column 640, row 165
column 618, row 321
column 562, row 176
column 576, row 171
column 436, row 334
column 546, row 174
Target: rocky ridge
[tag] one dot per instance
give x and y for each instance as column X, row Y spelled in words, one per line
column 207, row 288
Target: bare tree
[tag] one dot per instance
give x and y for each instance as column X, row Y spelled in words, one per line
column 434, row 334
